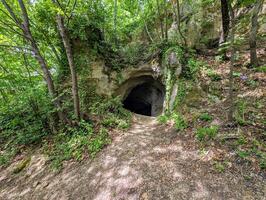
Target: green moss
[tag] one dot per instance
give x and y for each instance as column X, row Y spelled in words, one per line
column 22, row 165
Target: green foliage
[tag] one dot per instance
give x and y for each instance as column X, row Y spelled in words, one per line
column 74, row 142
column 7, row 156
column 205, row 117
column 213, row 75
column 261, row 69
column 99, row 141
column 219, row 166
column 25, row 119
column 112, row 113
column 237, row 74
column 241, row 140
column 193, row 68
column 243, row 154
column 163, row 118
column 180, row 123
column 206, row 133
column 241, row 111
column 181, row 93
column 22, row 165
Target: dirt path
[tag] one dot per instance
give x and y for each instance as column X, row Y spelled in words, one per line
column 147, row 162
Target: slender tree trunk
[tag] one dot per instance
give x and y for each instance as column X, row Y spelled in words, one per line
column 231, row 78
column 25, row 26
column 179, row 22
column 148, row 33
column 64, row 34
column 115, row 22
column 253, row 33
column 165, row 16
column 159, row 15
column 225, row 24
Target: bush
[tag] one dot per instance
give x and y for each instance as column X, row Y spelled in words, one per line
column 205, row 117
column 180, row 123
column 206, row 133
column 112, row 113
column 75, row 142
column 163, row 119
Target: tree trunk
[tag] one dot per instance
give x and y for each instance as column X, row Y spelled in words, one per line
column 115, row 22
column 64, row 34
column 225, row 24
column 148, row 33
column 25, row 26
column 231, row 78
column 165, row 16
column 253, row 33
column 159, row 15
column 179, row 23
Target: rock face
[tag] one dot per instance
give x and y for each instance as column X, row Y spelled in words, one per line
column 140, row 88
column 120, row 83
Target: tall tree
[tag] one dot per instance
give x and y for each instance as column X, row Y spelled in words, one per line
column 176, row 10
column 24, row 25
column 66, row 40
column 253, row 33
column 225, row 24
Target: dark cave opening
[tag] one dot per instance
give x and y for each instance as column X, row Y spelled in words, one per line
column 146, row 98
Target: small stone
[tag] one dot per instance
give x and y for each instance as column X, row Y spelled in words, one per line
column 35, row 184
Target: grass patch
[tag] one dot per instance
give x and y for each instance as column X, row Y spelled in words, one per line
column 163, row 119
column 205, row 117
column 261, row 69
column 206, row 133
column 180, row 123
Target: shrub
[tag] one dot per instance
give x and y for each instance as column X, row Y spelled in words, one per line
column 205, row 117
column 206, row 133
column 163, row 119
column 180, row 123
column 112, row 113
column 74, row 142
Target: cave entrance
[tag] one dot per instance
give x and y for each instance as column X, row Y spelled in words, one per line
column 146, row 98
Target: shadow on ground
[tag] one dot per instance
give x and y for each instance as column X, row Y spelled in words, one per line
column 147, row 162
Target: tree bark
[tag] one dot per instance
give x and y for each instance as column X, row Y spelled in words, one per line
column 231, row 78
column 25, row 27
column 225, row 24
column 253, row 33
column 65, row 37
column 165, row 16
column 179, row 22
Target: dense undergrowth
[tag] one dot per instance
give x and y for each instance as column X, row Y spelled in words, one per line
column 27, row 126
column 201, row 107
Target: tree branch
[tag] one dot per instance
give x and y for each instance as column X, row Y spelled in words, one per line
column 11, row 12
